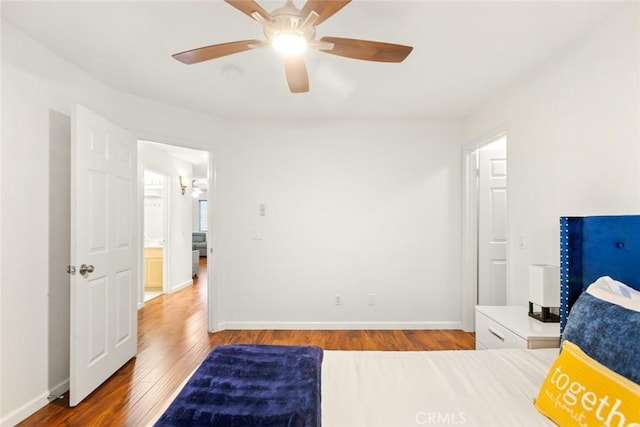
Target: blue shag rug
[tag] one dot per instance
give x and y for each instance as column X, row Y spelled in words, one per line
column 251, row 385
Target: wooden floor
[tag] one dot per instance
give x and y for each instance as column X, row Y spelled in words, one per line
column 173, row 340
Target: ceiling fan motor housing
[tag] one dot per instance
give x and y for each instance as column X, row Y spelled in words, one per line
column 287, row 20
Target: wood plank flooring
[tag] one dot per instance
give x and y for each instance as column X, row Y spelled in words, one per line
column 173, row 340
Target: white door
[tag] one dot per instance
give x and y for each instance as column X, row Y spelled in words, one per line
column 104, row 325
column 492, row 227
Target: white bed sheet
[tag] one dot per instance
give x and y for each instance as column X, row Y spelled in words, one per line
column 489, row 388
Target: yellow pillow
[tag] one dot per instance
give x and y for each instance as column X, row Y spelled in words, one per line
column 579, row 391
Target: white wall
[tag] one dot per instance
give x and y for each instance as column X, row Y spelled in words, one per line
column 154, row 206
column 573, row 141
column 25, row 244
column 154, row 219
column 2, row 104
column 2, row 318
column 373, row 207
column 36, row 85
column 178, row 245
column 352, row 208
column 59, row 250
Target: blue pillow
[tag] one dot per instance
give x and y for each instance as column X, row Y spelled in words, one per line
column 607, row 333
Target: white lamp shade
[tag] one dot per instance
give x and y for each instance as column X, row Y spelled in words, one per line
column 544, row 285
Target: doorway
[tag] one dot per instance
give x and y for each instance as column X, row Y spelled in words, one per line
column 127, row 217
column 155, row 233
column 492, row 222
column 485, row 226
column 176, row 183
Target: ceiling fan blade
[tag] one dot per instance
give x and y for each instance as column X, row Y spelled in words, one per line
column 297, row 76
column 248, row 7
column 367, row 50
column 325, row 8
column 206, row 53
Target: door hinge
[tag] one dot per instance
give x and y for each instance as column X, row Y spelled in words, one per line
column 71, row 269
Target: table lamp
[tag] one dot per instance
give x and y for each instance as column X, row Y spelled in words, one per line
column 544, row 292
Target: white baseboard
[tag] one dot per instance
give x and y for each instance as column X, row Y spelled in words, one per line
column 182, row 286
column 340, row 325
column 34, row 406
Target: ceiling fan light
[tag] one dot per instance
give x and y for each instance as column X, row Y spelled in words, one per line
column 289, row 44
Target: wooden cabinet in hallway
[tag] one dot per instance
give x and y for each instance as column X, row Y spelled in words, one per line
column 153, row 269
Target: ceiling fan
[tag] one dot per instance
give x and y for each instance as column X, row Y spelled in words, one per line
column 290, row 31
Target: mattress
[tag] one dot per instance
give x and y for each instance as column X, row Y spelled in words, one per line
column 471, row 388
column 433, row 388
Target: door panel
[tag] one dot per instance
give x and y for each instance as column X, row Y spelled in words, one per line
column 97, row 202
column 97, row 319
column 123, row 206
column 103, row 229
column 124, row 302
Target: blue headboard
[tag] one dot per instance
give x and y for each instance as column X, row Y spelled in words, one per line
column 595, row 246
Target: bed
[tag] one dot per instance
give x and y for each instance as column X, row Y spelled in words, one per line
column 471, row 388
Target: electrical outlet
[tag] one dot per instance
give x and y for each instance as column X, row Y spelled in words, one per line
column 338, row 300
column 371, row 299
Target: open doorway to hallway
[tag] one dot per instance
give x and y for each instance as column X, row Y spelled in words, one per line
column 174, row 217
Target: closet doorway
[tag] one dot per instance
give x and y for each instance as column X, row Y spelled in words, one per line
column 492, row 222
column 485, row 226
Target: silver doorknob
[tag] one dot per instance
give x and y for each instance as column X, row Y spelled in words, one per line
column 85, row 269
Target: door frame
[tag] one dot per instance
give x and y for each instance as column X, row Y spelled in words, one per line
column 166, row 247
column 213, row 303
column 470, row 225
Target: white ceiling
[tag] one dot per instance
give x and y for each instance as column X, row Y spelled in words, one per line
column 464, row 52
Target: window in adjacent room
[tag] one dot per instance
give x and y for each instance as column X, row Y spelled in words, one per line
column 202, row 215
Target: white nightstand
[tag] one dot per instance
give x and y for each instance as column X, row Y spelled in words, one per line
column 511, row 327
